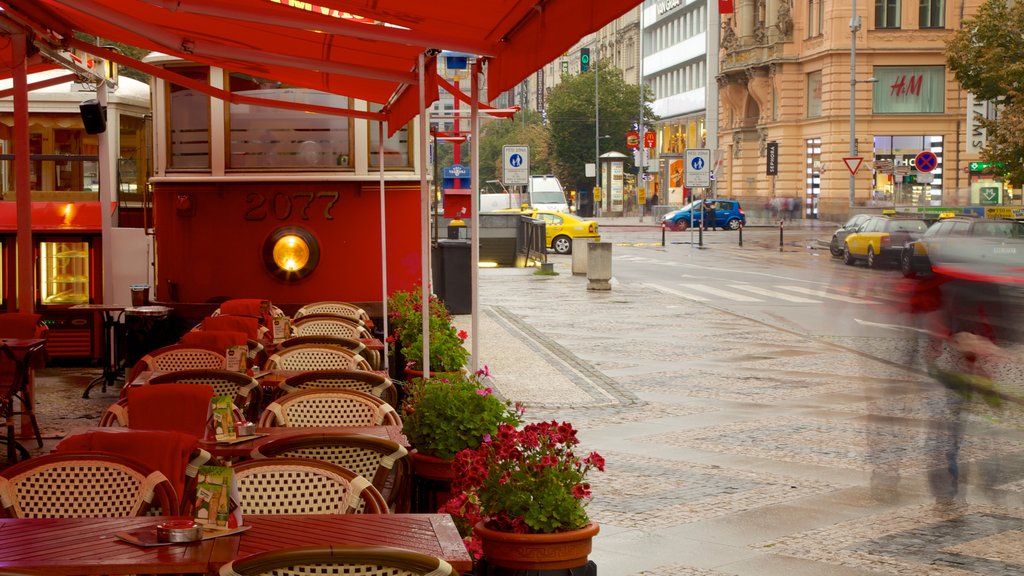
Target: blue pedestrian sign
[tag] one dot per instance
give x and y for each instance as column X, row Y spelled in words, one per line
column 515, row 165
column 926, row 161
column 697, row 166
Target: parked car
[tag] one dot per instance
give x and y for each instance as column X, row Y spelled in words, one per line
column 561, row 228
column 728, row 214
column 851, row 226
column 944, row 240
column 881, row 240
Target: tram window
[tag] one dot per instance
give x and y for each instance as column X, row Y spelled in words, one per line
column 397, row 148
column 189, row 121
column 265, row 137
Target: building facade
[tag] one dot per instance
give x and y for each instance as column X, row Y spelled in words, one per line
column 785, row 81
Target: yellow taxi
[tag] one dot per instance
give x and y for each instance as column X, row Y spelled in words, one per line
column 881, row 240
column 561, row 228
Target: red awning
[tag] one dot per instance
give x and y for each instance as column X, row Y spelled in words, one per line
column 370, row 56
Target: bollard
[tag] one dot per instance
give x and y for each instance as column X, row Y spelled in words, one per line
column 662, row 234
column 700, row 234
column 781, row 222
column 741, row 234
column 599, row 266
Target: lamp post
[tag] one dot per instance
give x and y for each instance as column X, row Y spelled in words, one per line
column 854, row 28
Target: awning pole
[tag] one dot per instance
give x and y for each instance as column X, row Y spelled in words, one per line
column 474, row 221
column 23, row 194
column 108, row 177
column 382, row 126
column 424, row 220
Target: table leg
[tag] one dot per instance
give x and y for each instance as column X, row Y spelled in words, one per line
column 111, row 358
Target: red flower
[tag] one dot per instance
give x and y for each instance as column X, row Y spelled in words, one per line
column 462, row 334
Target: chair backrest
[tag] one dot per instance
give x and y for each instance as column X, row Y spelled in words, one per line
column 22, row 325
column 336, row 407
column 338, row 559
column 176, row 455
column 316, row 357
column 337, row 308
column 245, row 390
column 373, row 458
column 253, row 307
column 177, row 357
column 304, row 486
column 83, row 485
column 369, row 382
column 351, row 344
column 219, row 340
column 231, row 323
column 321, row 324
column 176, row 407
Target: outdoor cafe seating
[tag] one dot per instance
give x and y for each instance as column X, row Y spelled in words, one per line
column 316, row 357
column 178, row 357
column 368, row 561
column 244, row 389
column 337, row 308
column 328, row 407
column 83, row 485
column 285, row 485
column 369, row 382
column 381, row 461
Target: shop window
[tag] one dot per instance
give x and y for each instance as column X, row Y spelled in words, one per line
column 189, row 112
column 887, row 14
column 397, row 148
column 812, row 177
column 814, row 94
column 263, row 137
column 932, row 14
column 909, row 90
column 133, row 160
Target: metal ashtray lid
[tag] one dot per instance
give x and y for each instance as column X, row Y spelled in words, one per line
column 179, row 531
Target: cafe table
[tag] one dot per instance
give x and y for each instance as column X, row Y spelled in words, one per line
column 110, row 322
column 431, row 534
column 243, row 446
column 59, row 546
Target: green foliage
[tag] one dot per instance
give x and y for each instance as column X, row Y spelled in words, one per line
column 405, row 315
column 442, row 416
column 987, row 57
column 527, row 129
column 570, row 115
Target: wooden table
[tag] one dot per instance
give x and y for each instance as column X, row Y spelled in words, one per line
column 60, row 546
column 88, row 546
column 22, row 351
column 243, row 449
column 432, row 534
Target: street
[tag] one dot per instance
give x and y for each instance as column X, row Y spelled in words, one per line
column 761, row 412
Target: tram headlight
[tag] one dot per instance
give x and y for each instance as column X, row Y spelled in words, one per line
column 291, row 253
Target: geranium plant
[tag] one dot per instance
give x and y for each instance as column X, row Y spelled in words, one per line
column 405, row 313
column 524, row 481
column 443, row 415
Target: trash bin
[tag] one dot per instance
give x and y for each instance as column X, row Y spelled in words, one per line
column 455, row 262
column 146, row 328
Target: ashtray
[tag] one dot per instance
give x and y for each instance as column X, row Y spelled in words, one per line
column 245, row 428
column 179, row 531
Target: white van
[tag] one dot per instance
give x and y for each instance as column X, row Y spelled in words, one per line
column 542, row 193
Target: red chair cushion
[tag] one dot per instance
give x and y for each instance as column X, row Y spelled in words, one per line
column 248, row 307
column 166, row 451
column 174, row 407
column 248, row 326
column 218, row 340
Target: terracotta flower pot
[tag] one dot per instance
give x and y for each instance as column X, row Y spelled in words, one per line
column 556, row 551
column 432, row 482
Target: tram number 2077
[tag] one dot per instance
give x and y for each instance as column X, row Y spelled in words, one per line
column 282, row 205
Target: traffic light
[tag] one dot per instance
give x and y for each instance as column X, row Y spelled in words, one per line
column 584, row 59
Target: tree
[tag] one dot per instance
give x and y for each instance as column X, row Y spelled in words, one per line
column 987, row 57
column 570, row 114
column 526, row 129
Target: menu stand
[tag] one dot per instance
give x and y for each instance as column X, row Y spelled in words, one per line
column 110, row 315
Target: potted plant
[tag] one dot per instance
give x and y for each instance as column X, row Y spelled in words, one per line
column 520, row 498
column 447, row 353
column 442, row 416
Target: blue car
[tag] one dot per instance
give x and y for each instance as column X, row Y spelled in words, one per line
column 727, row 214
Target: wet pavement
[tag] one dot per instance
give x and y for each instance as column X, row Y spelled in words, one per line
column 732, row 446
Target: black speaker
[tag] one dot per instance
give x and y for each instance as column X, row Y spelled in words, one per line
column 94, row 116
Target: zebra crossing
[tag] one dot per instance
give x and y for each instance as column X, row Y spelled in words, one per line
column 756, row 293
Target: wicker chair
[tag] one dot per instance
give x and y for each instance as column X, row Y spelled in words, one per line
column 329, row 325
column 338, row 559
column 304, row 486
column 321, row 408
column 170, row 406
column 343, row 309
column 83, row 485
column 381, row 461
column 369, row 382
column 246, row 391
column 350, row 344
column 315, row 357
column 176, row 357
